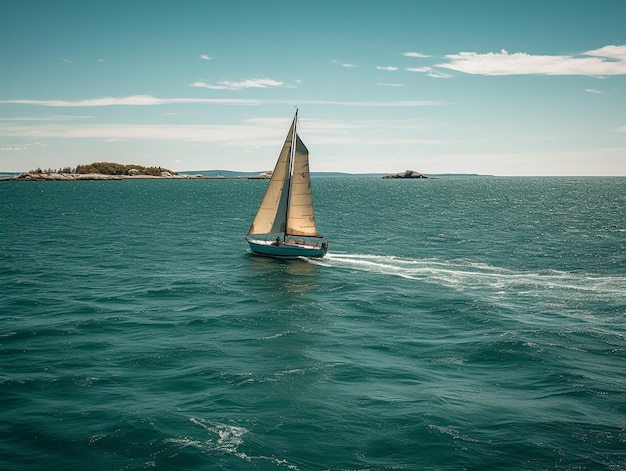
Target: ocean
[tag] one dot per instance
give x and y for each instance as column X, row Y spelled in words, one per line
column 456, row 323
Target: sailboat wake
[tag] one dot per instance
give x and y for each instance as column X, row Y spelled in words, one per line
column 467, row 275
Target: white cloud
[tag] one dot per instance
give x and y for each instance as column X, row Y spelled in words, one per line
column 117, row 132
column 609, row 60
column 429, row 71
column 388, row 67
column 415, row 54
column 205, row 57
column 438, row 74
column 343, row 64
column 134, row 100
column 230, row 85
column 391, row 85
column 611, row 52
column 591, row 90
column 419, row 69
column 147, row 100
column 23, row 147
column 253, row 132
column 620, row 129
column 64, row 59
column 46, row 118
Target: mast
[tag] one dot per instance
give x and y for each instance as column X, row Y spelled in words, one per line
column 292, row 152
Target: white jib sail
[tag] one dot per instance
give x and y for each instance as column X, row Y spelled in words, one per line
column 300, row 216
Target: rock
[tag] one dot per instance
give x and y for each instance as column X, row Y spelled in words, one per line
column 406, row 174
column 262, row 176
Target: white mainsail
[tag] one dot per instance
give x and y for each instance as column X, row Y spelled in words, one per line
column 272, row 214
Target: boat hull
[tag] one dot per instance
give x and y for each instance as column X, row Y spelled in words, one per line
column 287, row 250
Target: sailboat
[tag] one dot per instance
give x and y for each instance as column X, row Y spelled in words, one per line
column 284, row 225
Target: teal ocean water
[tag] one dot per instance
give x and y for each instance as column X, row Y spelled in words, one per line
column 456, row 323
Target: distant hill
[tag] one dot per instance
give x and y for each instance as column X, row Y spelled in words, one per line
column 233, row 174
column 458, row 175
column 220, row 173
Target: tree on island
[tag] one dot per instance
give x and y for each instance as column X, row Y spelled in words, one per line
column 108, row 168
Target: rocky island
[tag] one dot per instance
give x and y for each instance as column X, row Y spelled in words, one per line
column 98, row 171
column 406, row 174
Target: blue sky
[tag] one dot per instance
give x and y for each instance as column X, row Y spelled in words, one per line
column 439, row 86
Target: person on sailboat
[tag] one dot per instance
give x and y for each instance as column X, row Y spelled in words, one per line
column 277, row 243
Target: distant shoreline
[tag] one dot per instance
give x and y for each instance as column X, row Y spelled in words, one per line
column 190, row 175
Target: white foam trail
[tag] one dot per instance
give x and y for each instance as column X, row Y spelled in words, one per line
column 466, row 274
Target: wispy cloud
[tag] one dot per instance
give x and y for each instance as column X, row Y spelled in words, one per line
column 415, row 54
column 231, row 85
column 419, row 69
column 591, row 90
column 429, row 71
column 391, row 85
column 65, row 59
column 611, row 52
column 205, row 57
column 47, row 118
column 372, row 104
column 368, row 131
column 344, row 64
column 23, row 147
column 118, row 132
column 608, row 60
column 251, row 132
column 134, row 100
column 386, row 67
column 147, row 100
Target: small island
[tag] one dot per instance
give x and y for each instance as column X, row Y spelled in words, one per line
column 99, row 171
column 406, row 174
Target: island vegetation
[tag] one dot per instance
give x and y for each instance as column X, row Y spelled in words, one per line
column 99, row 171
column 107, row 168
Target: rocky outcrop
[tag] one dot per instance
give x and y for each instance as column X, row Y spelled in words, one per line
column 262, row 176
column 406, row 174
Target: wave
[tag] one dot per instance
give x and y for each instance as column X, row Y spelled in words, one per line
column 225, row 439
